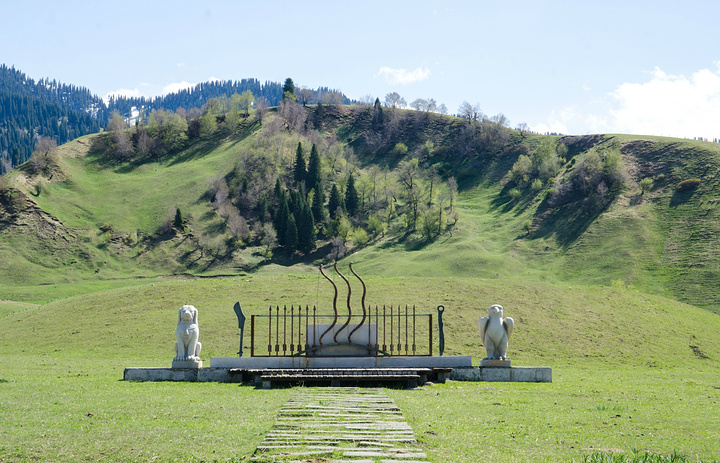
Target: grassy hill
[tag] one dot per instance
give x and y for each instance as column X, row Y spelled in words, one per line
column 96, row 219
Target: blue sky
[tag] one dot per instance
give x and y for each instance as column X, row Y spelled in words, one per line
column 577, row 67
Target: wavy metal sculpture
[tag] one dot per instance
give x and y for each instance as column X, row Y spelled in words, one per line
column 348, row 304
column 362, row 322
column 334, row 304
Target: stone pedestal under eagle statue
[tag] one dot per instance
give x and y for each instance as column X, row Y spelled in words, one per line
column 495, row 332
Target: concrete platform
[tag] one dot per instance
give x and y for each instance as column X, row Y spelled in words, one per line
column 220, row 375
column 220, row 369
column 506, row 374
column 450, row 361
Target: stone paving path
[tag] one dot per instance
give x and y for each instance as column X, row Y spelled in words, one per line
column 338, row 425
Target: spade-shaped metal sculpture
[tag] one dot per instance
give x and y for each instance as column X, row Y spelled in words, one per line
column 241, row 324
column 441, row 348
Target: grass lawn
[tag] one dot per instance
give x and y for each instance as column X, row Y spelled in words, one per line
column 80, row 410
column 586, row 409
column 628, row 372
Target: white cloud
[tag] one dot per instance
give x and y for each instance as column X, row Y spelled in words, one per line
column 402, row 76
column 122, row 92
column 556, row 122
column 669, row 105
column 176, row 87
column 673, row 105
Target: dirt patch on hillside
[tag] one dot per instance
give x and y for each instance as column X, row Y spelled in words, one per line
column 21, row 218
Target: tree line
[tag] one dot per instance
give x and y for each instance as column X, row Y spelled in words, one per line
column 30, row 111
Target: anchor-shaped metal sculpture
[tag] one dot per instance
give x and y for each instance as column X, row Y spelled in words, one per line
column 241, row 324
column 441, row 346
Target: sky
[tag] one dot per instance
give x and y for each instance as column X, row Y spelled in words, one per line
column 572, row 67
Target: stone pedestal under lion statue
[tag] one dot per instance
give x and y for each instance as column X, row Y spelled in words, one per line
column 495, row 332
column 187, row 347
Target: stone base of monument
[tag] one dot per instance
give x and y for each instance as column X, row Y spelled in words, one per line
column 229, row 369
column 398, row 361
column 233, row 369
column 164, row 374
column 502, row 374
column 495, row 363
column 187, row 364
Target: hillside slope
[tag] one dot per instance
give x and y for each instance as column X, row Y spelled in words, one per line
column 107, row 216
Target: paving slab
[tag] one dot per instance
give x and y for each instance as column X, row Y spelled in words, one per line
column 356, row 425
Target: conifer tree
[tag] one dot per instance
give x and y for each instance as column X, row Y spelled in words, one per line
column 262, row 207
column 377, row 120
column 281, row 219
column 306, row 235
column 299, row 169
column 352, row 201
column 278, row 190
column 314, row 170
column 335, row 202
column 289, row 86
column 178, row 222
column 291, row 234
column 318, row 205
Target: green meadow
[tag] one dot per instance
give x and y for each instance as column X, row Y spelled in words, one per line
column 620, row 300
column 631, row 372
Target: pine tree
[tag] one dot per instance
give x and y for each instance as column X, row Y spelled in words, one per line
column 335, row 203
column 314, row 174
column 318, row 205
column 278, row 190
column 306, row 235
column 299, row 171
column 178, row 222
column 289, row 86
column 352, row 202
column 262, row 207
column 377, row 120
column 281, row 219
column 289, row 90
column 291, row 234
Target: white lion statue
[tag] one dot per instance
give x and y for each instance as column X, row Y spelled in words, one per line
column 187, row 346
column 495, row 332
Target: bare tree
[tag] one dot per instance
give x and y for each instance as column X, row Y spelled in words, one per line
column 366, row 100
column 41, row 158
column 523, row 129
column 261, row 108
column 500, row 120
column 452, row 191
column 419, row 104
column 304, row 95
column 144, row 142
column 409, row 180
column 293, row 114
column 471, row 112
column 394, row 100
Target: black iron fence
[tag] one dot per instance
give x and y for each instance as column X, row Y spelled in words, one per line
column 382, row 331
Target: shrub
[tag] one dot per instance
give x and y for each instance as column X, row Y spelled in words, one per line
column 646, row 184
column 536, row 184
column 360, row 237
column 515, row 194
column 400, row 149
column 687, row 185
column 526, row 226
